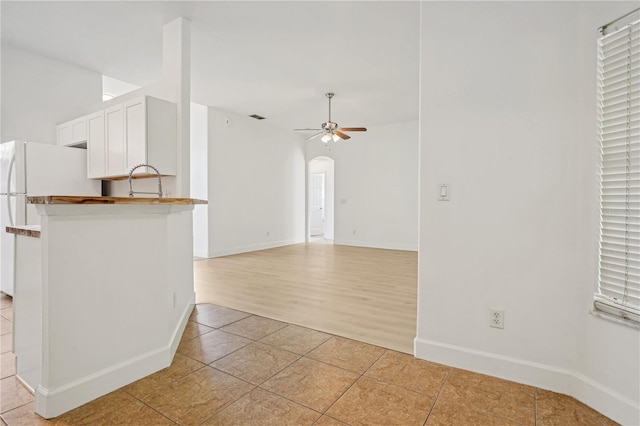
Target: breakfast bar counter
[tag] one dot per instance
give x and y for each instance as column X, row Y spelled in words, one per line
column 108, row 297
column 65, row 199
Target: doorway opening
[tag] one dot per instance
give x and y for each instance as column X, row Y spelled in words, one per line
column 320, row 197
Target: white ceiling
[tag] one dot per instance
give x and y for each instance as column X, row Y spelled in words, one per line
column 272, row 58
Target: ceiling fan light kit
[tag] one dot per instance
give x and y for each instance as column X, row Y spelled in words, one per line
column 330, row 130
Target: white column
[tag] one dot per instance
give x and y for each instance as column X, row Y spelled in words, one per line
column 176, row 76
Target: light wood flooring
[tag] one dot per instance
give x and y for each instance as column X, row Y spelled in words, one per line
column 364, row 294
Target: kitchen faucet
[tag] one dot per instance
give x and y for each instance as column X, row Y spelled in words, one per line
column 131, row 192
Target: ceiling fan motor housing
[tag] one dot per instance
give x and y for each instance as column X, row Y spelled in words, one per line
column 330, row 126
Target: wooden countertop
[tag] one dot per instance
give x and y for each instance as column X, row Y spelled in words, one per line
column 27, row 231
column 64, row 199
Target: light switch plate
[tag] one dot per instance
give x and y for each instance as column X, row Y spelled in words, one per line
column 444, row 192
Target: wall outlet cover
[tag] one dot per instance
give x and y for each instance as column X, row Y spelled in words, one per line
column 496, row 318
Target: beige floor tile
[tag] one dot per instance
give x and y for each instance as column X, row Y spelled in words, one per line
column 135, row 414
column 501, row 398
column 194, row 329
column 24, row 416
column 409, row 372
column 256, row 362
column 7, row 313
column 96, row 409
column 328, row 421
column 6, row 343
column 7, row 365
column 311, row 383
column 180, row 367
column 218, row 316
column 254, row 327
column 5, row 326
column 444, row 414
column 370, row 402
column 198, row 396
column 201, row 308
column 211, row 346
column 348, row 354
column 13, row 394
column 265, row 409
column 5, row 301
column 562, row 410
column 296, row 339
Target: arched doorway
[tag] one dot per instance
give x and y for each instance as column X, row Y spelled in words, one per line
column 320, row 197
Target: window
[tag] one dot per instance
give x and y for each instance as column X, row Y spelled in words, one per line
column 619, row 136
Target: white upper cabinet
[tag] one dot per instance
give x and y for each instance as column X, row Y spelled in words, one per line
column 72, row 133
column 115, row 141
column 96, row 153
column 139, row 131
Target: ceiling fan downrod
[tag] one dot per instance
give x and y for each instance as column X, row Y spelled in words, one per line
column 329, row 95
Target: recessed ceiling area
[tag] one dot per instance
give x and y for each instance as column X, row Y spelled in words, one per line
column 277, row 58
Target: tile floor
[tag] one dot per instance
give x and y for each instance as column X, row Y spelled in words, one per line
column 234, row 368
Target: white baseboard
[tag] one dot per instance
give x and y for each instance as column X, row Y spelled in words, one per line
column 569, row 382
column 369, row 244
column 201, row 253
column 53, row 402
column 254, row 247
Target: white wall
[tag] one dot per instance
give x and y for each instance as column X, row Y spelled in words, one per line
column 508, row 119
column 38, row 93
column 256, row 185
column 376, row 186
column 199, row 178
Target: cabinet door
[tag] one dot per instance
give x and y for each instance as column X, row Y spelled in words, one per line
column 135, row 116
column 72, row 133
column 96, row 160
column 79, row 130
column 64, row 133
column 115, row 146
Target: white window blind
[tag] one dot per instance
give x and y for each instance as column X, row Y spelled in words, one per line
column 619, row 136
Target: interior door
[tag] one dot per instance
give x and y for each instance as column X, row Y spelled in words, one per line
column 316, row 220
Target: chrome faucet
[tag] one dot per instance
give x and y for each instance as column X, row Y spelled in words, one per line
column 131, row 192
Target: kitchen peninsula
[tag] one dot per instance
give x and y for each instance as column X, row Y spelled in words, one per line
column 104, row 296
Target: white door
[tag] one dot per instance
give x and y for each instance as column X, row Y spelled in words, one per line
column 316, row 225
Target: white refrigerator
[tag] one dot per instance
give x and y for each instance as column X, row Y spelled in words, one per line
column 30, row 169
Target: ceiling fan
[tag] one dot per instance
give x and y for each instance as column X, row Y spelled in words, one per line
column 330, row 130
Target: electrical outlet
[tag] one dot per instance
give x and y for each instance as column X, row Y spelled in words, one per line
column 496, row 318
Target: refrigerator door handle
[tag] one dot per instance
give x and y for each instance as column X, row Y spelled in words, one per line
column 11, row 222
column 11, row 164
column 10, row 173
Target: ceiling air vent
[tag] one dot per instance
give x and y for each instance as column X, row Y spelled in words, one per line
column 257, row 117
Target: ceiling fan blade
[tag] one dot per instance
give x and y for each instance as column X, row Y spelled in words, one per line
column 315, row 136
column 353, row 129
column 297, row 130
column 342, row 135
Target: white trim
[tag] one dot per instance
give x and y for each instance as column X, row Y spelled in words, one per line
column 25, row 384
column 202, row 253
column 254, row 247
column 53, row 402
column 369, row 244
column 544, row 376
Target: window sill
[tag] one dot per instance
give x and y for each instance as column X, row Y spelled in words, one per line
column 615, row 318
